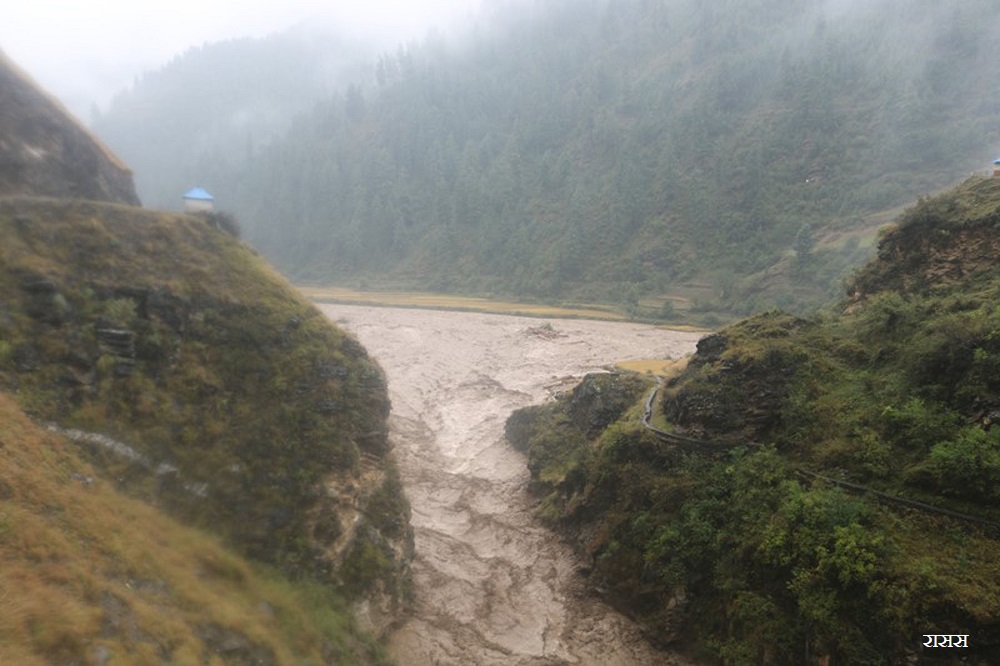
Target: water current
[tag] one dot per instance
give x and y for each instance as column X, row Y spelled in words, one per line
column 492, row 585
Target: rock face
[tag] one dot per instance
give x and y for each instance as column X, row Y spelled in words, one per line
column 45, row 151
column 737, row 395
column 941, row 243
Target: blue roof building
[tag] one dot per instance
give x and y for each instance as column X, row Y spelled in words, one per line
column 197, row 200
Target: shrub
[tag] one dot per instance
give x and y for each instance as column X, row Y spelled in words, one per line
column 918, row 425
column 121, row 310
column 969, row 465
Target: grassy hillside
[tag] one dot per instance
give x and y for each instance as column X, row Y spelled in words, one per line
column 196, row 379
column 89, row 576
column 758, row 555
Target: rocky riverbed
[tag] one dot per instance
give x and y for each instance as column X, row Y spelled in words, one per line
column 493, row 586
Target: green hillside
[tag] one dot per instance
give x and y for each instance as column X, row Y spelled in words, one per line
column 195, row 378
column 762, row 553
column 731, row 153
column 194, row 462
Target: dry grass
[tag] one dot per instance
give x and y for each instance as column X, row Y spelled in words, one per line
column 85, row 571
column 661, row 367
column 413, row 299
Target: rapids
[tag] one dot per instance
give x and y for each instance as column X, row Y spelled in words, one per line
column 492, row 586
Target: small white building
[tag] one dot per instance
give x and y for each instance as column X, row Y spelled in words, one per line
column 198, row 200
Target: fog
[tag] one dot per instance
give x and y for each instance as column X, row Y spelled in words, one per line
column 85, row 52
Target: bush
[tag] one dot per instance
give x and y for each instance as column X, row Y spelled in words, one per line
column 969, row 465
column 122, row 311
column 918, row 425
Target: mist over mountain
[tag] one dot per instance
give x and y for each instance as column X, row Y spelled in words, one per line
column 212, row 107
column 725, row 157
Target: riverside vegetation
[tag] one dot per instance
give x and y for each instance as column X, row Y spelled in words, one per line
column 744, row 560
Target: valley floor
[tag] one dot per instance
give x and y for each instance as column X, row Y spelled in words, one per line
column 437, row 301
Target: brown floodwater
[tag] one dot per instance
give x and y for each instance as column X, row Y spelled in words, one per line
column 492, row 585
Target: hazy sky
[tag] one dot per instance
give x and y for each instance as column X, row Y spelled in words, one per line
column 84, row 51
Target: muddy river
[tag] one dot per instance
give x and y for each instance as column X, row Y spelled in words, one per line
column 493, row 586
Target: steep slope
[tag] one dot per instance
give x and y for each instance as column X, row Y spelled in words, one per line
column 88, row 576
column 199, row 386
column 627, row 151
column 45, row 151
column 855, row 508
column 194, row 374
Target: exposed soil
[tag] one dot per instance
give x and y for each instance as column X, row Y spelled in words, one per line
column 493, row 586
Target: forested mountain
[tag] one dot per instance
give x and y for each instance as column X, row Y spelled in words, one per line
column 618, row 149
column 212, row 107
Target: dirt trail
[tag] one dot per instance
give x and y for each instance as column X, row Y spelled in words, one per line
column 493, row 586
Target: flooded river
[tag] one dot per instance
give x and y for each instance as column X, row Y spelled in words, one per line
column 493, row 586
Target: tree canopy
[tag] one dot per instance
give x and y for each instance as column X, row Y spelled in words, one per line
column 594, row 148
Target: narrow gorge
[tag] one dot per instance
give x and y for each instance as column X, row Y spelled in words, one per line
column 492, row 586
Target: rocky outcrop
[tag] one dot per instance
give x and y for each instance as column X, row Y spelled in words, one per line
column 939, row 243
column 733, row 394
column 600, row 399
column 45, row 151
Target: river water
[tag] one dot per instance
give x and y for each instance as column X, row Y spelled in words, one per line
column 493, row 586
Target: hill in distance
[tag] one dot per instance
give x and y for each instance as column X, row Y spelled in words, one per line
column 679, row 158
column 214, row 107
